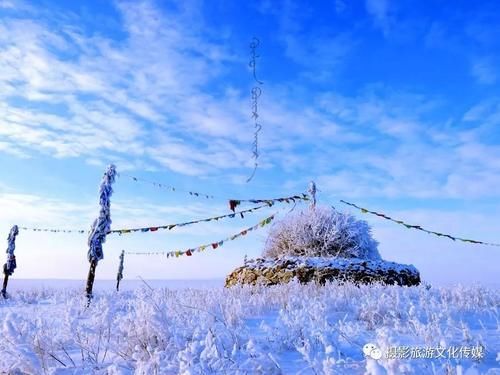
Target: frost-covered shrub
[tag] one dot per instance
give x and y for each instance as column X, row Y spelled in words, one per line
column 322, row 231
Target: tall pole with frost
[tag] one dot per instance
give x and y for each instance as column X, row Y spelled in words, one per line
column 312, row 192
column 8, row 268
column 119, row 276
column 100, row 227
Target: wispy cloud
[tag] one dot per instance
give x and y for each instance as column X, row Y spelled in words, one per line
column 320, row 54
column 74, row 93
column 30, row 209
column 6, row 4
column 379, row 10
column 485, row 72
column 35, row 211
column 402, row 154
column 147, row 100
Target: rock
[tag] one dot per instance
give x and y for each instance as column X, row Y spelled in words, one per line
column 321, row 270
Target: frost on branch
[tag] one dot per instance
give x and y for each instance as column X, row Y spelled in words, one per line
column 9, row 267
column 322, row 232
column 102, row 225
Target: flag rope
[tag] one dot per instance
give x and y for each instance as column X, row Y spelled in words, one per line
column 268, row 203
column 233, row 203
column 418, row 227
column 151, row 228
column 302, row 196
column 79, row 231
column 213, row 245
column 171, row 226
column 165, row 186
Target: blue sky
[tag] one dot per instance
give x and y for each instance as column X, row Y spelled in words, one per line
column 390, row 105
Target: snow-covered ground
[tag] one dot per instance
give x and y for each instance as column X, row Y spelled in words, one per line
column 16, row 285
column 289, row 329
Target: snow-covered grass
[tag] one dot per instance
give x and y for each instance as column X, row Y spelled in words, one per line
column 288, row 329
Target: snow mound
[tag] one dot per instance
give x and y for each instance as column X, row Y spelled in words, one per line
column 321, row 269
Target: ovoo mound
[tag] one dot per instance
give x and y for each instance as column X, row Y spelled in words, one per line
column 322, row 244
column 310, row 269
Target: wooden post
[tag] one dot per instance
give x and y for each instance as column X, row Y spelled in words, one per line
column 5, row 282
column 10, row 265
column 100, row 228
column 90, row 280
column 119, row 276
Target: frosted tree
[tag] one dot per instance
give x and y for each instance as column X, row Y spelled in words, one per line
column 119, row 276
column 100, row 227
column 10, row 265
column 321, row 232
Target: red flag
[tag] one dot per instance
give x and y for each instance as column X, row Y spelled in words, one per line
column 233, row 203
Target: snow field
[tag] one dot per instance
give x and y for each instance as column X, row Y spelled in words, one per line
column 287, row 329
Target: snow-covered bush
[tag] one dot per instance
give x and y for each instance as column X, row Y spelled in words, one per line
column 321, row 232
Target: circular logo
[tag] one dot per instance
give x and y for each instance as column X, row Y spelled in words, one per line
column 376, row 353
column 372, row 351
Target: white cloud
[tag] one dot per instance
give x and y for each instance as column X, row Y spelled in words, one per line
column 28, row 210
column 113, row 94
column 10, row 149
column 143, row 101
column 6, row 4
column 142, row 98
column 484, row 72
column 402, row 155
column 379, row 10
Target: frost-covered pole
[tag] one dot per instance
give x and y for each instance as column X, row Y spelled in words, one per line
column 312, row 192
column 100, row 227
column 120, row 271
column 8, row 268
